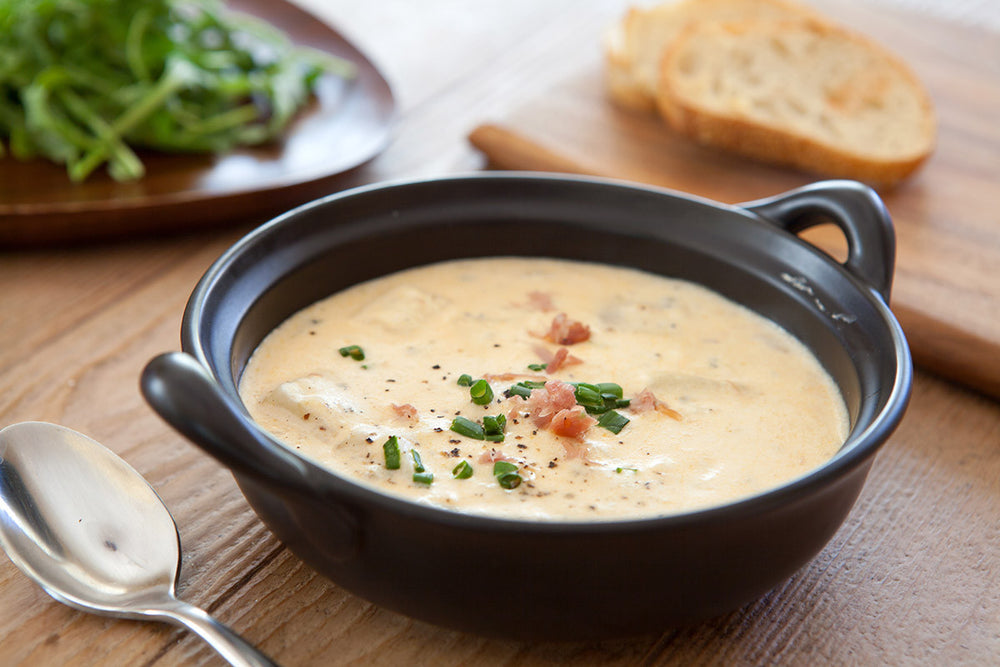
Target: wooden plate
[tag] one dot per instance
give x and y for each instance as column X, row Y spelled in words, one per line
column 346, row 125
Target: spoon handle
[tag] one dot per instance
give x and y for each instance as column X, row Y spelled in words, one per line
column 233, row 648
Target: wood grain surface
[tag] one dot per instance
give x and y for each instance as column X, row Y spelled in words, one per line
column 910, row 579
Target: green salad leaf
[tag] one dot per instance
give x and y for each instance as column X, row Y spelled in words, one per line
column 86, row 82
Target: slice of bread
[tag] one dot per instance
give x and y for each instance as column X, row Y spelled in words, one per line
column 801, row 93
column 634, row 46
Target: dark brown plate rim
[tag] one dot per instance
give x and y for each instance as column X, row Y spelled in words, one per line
column 346, row 125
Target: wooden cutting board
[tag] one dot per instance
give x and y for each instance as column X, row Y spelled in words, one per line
column 947, row 216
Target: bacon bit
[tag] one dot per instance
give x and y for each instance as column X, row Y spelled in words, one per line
column 545, row 402
column 555, row 361
column 407, row 411
column 540, row 301
column 492, row 456
column 554, row 407
column 645, row 401
column 543, row 353
column 561, row 358
column 575, row 449
column 572, row 423
column 670, row 412
column 564, row 331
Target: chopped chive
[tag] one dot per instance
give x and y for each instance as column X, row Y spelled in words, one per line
column 418, row 464
column 423, row 477
column 353, row 351
column 533, row 384
column 599, row 398
column 468, row 428
column 506, row 474
column 518, row 390
column 462, row 471
column 537, row 367
column 391, row 451
column 500, row 467
column 464, row 380
column 481, row 392
column 494, row 425
column 588, row 395
column 628, row 469
column 503, row 466
column 509, row 480
column 613, row 421
column 610, row 388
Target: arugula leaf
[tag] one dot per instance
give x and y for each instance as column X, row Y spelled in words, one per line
column 86, row 82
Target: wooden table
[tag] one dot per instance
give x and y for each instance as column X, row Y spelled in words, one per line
column 913, row 577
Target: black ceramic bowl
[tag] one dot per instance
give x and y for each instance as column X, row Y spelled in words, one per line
column 534, row 580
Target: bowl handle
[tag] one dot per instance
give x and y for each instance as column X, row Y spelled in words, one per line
column 182, row 391
column 853, row 207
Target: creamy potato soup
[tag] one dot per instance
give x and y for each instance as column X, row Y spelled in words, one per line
column 546, row 390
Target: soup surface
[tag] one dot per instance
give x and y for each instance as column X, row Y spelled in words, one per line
column 545, row 389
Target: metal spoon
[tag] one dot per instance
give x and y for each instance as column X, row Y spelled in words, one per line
column 90, row 531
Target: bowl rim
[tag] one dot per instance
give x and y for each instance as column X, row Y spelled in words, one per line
column 857, row 449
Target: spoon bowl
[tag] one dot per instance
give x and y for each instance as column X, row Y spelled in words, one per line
column 87, row 528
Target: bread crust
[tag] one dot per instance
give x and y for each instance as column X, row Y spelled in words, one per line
column 777, row 143
column 781, row 148
column 619, row 79
column 633, row 46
